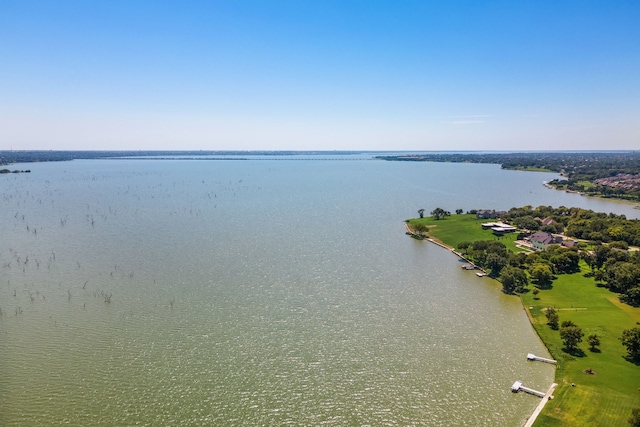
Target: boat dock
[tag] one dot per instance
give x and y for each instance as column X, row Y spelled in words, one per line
column 532, row 356
column 518, row 386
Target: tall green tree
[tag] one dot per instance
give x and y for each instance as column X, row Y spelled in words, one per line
column 571, row 336
column 634, row 419
column 541, row 274
column 631, row 340
column 513, row 279
column 496, row 263
column 622, row 276
column 565, row 261
column 439, row 213
column 552, row 318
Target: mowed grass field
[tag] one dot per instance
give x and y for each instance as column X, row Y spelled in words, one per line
column 606, row 397
column 602, row 398
column 459, row 228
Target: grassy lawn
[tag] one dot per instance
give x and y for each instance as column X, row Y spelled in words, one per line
column 464, row 227
column 604, row 398
column 586, row 184
column 531, row 169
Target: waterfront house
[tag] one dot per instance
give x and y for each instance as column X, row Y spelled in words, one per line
column 541, row 240
column 485, row 214
column 547, row 221
column 489, row 214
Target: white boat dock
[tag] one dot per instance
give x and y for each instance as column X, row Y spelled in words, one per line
column 532, row 356
column 518, row 386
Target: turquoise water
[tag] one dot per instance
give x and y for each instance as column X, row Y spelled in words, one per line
column 258, row 292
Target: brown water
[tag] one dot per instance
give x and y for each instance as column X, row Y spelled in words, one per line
column 255, row 293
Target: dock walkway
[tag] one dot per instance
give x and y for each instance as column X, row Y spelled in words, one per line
column 532, row 356
column 548, row 395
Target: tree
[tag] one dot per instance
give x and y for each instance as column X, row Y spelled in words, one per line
column 496, row 263
column 594, row 342
column 516, row 259
column 526, row 223
column 420, row 228
column 634, row 420
column 513, row 279
column 550, row 310
column 464, row 246
column 552, row 320
column 631, row 340
column 439, row 213
column 535, row 292
column 421, row 213
column 622, row 276
column 541, row 274
column 459, row 211
column 571, row 336
column 589, row 258
column 632, row 297
column 565, row 261
column 601, row 254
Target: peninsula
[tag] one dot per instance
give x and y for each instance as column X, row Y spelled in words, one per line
column 573, row 287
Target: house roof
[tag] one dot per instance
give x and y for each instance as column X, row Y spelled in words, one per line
column 548, row 221
column 542, row 237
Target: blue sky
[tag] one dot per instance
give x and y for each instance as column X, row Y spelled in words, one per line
column 321, row 75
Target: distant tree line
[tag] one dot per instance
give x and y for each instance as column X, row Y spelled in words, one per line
column 3, row 171
column 580, row 170
column 9, row 157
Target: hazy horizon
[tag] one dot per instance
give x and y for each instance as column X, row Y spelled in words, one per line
column 290, row 76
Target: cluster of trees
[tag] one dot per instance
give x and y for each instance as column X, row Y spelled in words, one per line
column 612, row 263
column 570, row 333
column 2, row 171
column 618, row 270
column 609, row 259
column 439, row 213
column 579, row 223
column 517, row 270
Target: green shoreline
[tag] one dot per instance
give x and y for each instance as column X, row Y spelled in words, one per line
column 604, row 398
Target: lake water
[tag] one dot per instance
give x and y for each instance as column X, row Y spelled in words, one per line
column 257, row 292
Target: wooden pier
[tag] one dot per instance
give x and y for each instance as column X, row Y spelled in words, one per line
column 532, row 356
column 548, row 395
